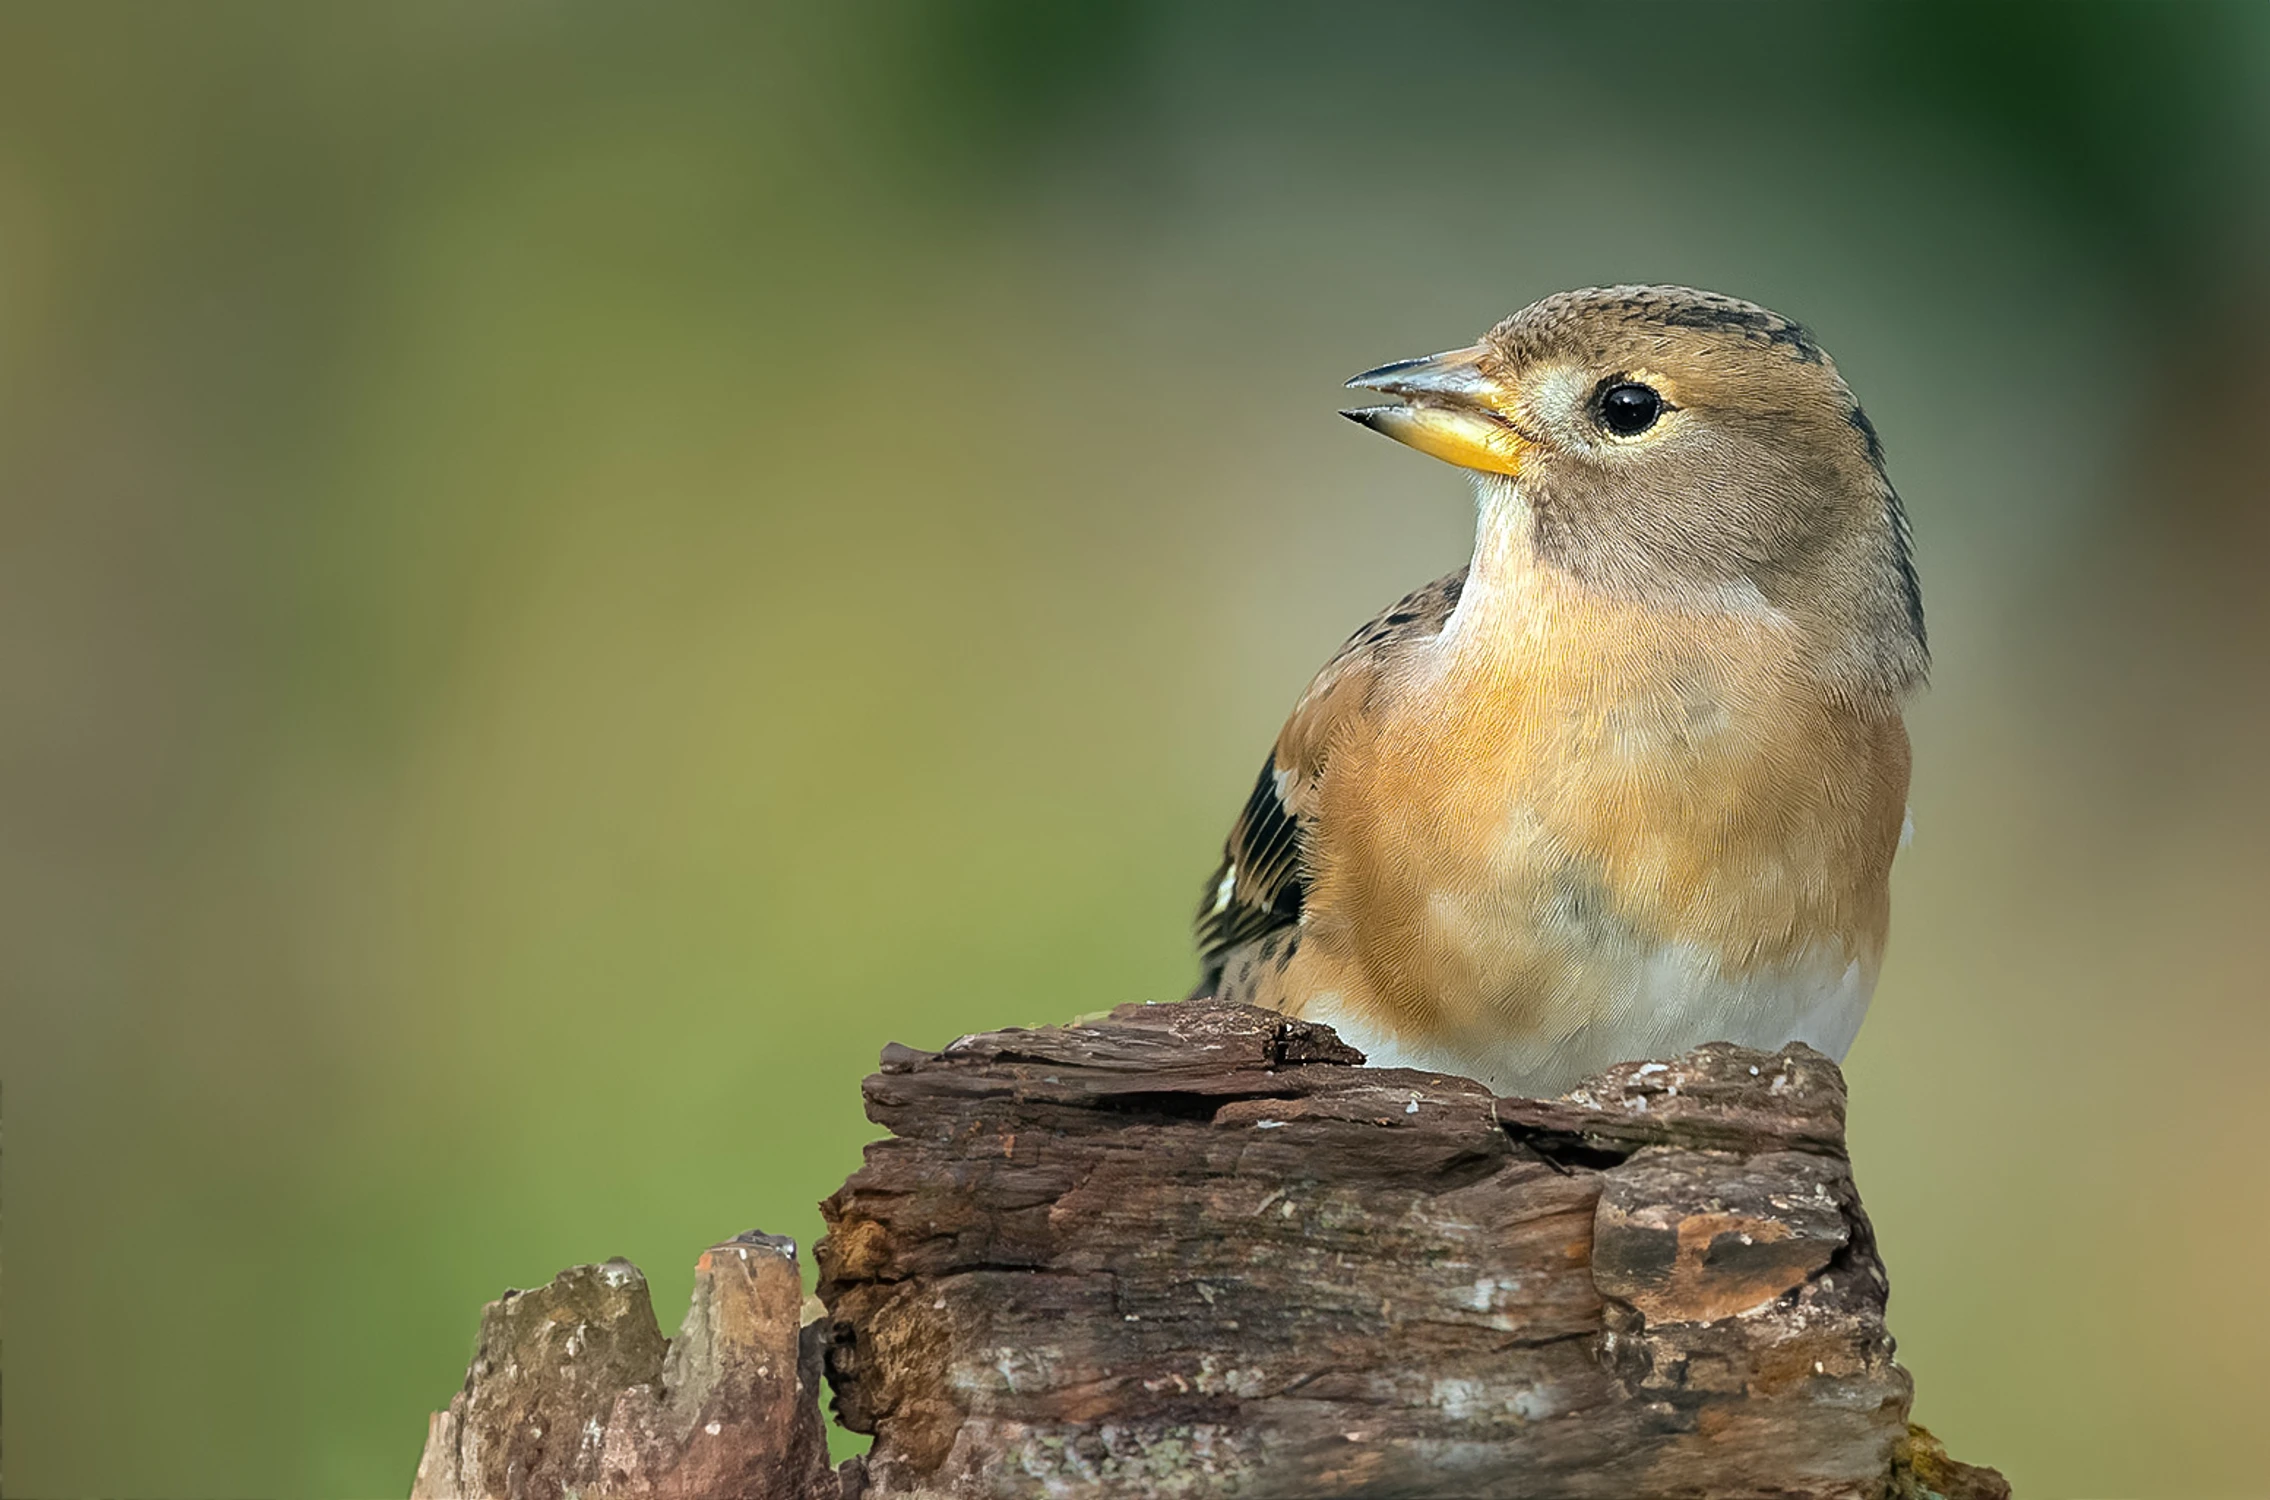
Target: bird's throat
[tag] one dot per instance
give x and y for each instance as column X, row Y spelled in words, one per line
column 1505, row 535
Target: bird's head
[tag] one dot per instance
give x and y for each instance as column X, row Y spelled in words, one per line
column 1672, row 444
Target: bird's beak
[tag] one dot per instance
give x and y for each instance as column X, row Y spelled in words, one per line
column 1452, row 410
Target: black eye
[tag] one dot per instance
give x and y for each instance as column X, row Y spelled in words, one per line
column 1630, row 408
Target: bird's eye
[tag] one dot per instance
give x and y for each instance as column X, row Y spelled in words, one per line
column 1628, row 408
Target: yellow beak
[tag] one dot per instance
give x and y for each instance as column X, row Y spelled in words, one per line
column 1452, row 410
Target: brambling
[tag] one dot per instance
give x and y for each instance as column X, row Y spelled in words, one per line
column 1631, row 780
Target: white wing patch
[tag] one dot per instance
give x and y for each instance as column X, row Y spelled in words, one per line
column 1224, row 891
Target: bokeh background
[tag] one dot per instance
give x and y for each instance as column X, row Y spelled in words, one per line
column 568, row 571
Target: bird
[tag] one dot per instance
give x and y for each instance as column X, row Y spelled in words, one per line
column 1632, row 780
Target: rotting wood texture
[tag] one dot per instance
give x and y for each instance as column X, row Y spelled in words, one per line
column 1195, row 1250
column 573, row 1391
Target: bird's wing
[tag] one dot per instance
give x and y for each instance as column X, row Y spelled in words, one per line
column 1262, row 880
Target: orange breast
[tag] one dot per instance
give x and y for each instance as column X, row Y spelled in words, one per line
column 1569, row 784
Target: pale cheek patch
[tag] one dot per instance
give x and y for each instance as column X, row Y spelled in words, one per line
column 1555, row 397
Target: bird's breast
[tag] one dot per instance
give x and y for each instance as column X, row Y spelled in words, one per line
column 1576, row 820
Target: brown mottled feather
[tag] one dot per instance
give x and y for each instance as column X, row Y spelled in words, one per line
column 1266, row 851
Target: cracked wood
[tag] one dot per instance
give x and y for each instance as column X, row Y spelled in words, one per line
column 1195, row 1249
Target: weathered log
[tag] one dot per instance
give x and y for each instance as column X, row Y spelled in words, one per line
column 1195, row 1250
column 574, row 1393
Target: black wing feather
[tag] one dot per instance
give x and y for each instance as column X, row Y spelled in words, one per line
column 1263, row 864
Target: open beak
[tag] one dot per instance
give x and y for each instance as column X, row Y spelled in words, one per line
column 1451, row 410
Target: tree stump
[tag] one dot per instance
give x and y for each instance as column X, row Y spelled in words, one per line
column 574, row 1393
column 1196, row 1250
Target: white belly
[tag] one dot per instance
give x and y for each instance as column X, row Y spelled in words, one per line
column 1670, row 1000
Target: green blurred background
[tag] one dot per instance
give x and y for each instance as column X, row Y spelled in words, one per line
column 569, row 572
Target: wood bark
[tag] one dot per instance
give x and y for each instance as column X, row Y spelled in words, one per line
column 573, row 1392
column 1198, row 1250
